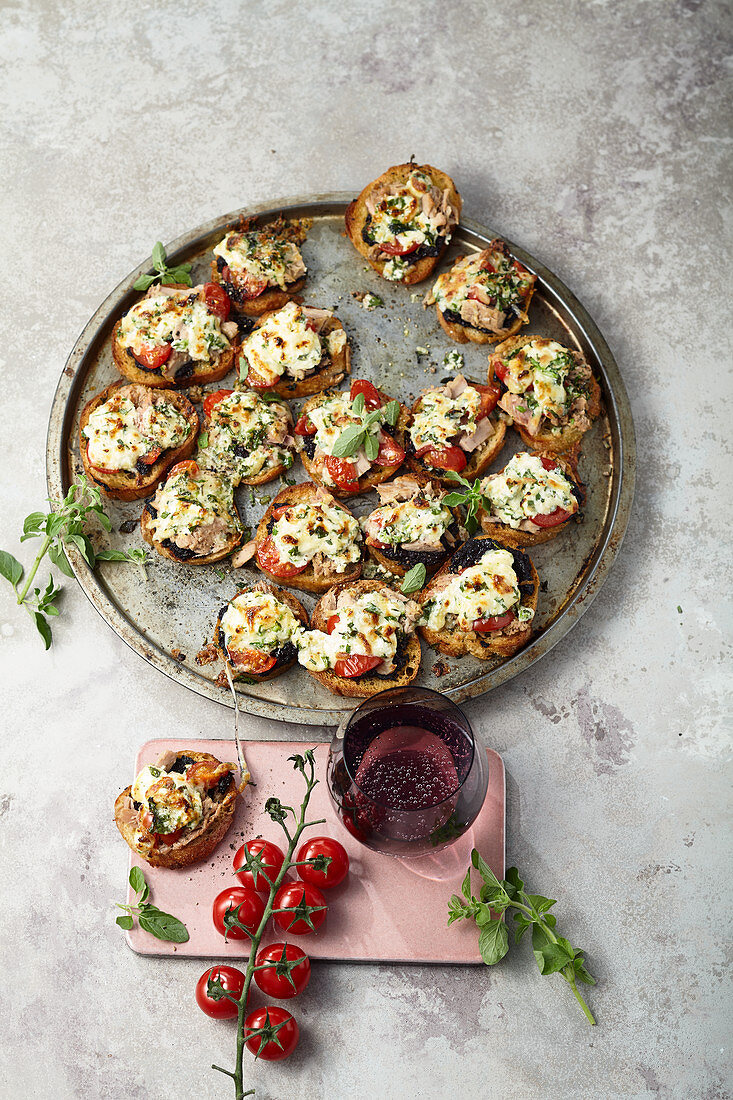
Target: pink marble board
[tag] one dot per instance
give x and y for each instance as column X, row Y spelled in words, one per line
column 387, row 910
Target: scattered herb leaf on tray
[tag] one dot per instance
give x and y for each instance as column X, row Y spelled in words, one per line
column 151, row 919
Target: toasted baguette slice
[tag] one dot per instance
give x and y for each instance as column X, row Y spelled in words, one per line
column 330, row 371
column 198, row 374
column 308, row 580
column 399, row 560
column 462, row 331
column 375, row 475
column 357, row 215
column 478, row 460
column 456, row 643
column 133, row 484
column 168, row 549
column 285, row 656
column 511, row 536
column 268, row 301
column 546, row 439
column 361, row 687
column 219, row 807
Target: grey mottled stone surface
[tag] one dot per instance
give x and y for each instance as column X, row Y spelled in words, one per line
column 594, row 134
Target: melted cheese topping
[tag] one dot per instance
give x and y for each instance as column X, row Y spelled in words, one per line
column 543, row 365
column 184, row 503
column 369, row 625
column 119, row 433
column 257, row 620
column 336, row 341
column 329, row 418
column 501, row 288
column 524, row 488
column 422, row 520
column 172, row 806
column 283, row 344
column 180, row 319
column 399, row 216
column 318, row 527
column 440, row 417
column 244, row 420
column 267, row 259
column 479, row 592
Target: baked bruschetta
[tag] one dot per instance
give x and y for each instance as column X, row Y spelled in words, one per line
column 411, row 525
column 308, row 540
column 192, row 518
column 348, row 441
column 548, row 391
column 254, row 632
column 130, row 434
column 402, row 221
column 362, row 639
column 179, row 809
column 261, row 268
column 482, row 601
column 454, row 428
column 295, row 351
column 176, row 336
column 532, row 499
column 484, row 297
column 246, row 438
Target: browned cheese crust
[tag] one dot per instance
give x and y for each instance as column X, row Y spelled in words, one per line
column 323, row 378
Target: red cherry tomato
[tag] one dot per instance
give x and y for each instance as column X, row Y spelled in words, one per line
column 248, row 285
column 253, row 661
column 189, row 466
column 278, row 1036
column 446, row 458
column 100, row 469
column 212, row 399
column 204, row 773
column 552, row 519
column 494, row 622
column 343, row 473
column 501, row 370
column 331, row 625
column 272, row 860
column 489, row 397
column 152, row 356
column 486, row 265
column 397, row 249
column 477, row 294
column 269, row 560
column 146, row 822
column 274, row 980
column 372, row 400
column 217, row 300
column 548, row 463
column 390, row 453
column 337, row 869
column 520, row 268
column 294, row 897
column 257, row 381
column 232, row 980
column 356, row 665
column 304, row 426
column 249, row 905
column 152, row 456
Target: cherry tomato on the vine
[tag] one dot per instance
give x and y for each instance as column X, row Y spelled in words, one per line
column 274, row 980
column 337, row 869
column 298, row 898
column 271, row 1033
column 231, row 979
column 271, row 858
column 250, row 910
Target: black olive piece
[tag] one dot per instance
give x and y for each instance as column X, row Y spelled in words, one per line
column 151, row 510
column 180, row 552
column 128, row 526
column 185, row 370
column 180, row 764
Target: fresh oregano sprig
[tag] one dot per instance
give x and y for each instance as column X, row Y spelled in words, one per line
column 181, row 273
column 62, row 527
column 554, row 954
column 151, row 919
column 293, row 824
column 472, row 498
column 366, row 433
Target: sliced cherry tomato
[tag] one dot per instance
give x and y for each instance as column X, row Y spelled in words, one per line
column 446, row 458
column 269, row 560
column 271, row 858
column 489, row 397
column 371, row 541
column 152, row 356
column 231, row 979
column 99, row 469
column 258, row 382
column 271, row 1033
column 331, row 625
column 296, row 898
column 390, row 453
column 356, row 665
column 212, row 399
column 206, row 774
column 249, row 286
column 304, row 426
column 397, row 249
column 152, row 456
column 250, row 910
column 372, row 400
column 476, row 294
column 548, row 463
column 494, row 622
column 253, row 661
column 273, row 980
column 343, row 473
column 217, row 300
column 337, row 869
column 552, row 519
column 486, row 265
column 189, row 466
column 501, row 370
column 146, row 823
column 520, row 268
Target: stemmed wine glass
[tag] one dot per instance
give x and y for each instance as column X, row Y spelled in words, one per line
column 405, row 773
